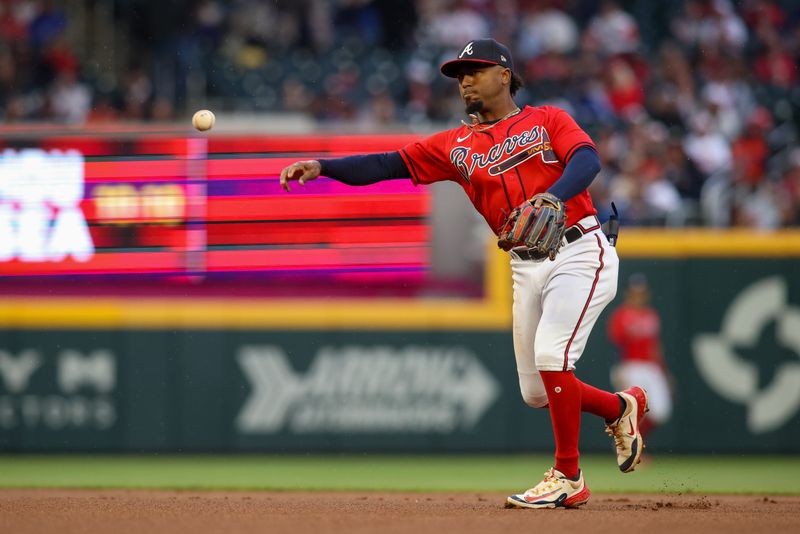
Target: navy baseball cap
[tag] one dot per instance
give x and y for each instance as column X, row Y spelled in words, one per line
column 486, row 51
column 637, row 280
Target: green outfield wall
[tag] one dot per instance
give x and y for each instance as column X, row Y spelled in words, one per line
column 731, row 337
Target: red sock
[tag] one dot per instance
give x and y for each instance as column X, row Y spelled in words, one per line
column 564, row 396
column 599, row 402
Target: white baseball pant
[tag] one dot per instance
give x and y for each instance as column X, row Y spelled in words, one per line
column 556, row 304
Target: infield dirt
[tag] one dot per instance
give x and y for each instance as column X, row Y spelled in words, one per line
column 198, row 512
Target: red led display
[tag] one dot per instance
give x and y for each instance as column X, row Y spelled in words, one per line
column 165, row 206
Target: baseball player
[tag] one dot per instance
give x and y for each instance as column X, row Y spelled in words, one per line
column 635, row 328
column 526, row 171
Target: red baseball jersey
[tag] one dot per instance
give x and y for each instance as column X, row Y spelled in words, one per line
column 499, row 165
column 636, row 333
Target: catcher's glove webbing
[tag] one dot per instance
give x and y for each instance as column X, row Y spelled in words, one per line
column 538, row 224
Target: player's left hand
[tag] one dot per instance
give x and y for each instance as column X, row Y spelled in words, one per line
column 538, row 223
column 302, row 171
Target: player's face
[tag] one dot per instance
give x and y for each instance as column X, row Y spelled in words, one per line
column 638, row 295
column 480, row 85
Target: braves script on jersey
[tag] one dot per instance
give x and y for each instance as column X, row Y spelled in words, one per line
column 501, row 164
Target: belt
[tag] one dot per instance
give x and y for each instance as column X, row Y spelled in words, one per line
column 572, row 234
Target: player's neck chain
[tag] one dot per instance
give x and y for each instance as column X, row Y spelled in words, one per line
column 487, row 125
column 509, row 114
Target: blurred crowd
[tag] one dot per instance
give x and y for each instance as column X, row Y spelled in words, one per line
column 694, row 104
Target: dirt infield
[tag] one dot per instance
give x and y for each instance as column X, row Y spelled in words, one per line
column 155, row 512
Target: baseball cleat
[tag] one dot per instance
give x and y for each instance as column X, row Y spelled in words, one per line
column 625, row 430
column 555, row 491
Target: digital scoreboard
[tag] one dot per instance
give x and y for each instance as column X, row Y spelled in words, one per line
column 155, row 210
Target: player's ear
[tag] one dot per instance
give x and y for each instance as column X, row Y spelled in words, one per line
column 505, row 76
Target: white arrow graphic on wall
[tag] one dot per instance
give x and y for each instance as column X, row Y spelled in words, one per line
column 355, row 389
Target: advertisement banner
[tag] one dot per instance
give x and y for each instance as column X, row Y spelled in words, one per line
column 112, row 212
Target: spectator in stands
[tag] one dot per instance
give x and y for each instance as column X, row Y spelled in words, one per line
column 624, row 89
column 453, row 23
column 69, row 99
column 750, row 150
column 706, row 146
column 613, row 31
column 137, row 94
column 789, row 191
column 681, row 171
column 48, row 24
column 775, row 65
column 545, row 28
column 709, row 23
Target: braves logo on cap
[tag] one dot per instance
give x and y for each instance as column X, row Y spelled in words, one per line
column 486, row 51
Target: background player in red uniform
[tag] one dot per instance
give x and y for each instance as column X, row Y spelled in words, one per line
column 635, row 328
column 503, row 158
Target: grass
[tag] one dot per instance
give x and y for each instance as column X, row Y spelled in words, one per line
column 663, row 474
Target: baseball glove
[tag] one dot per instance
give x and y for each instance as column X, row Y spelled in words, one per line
column 538, row 223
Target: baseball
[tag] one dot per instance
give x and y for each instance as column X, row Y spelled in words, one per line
column 203, row 120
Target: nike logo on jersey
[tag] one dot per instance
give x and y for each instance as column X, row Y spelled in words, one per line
column 462, row 139
column 534, row 141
